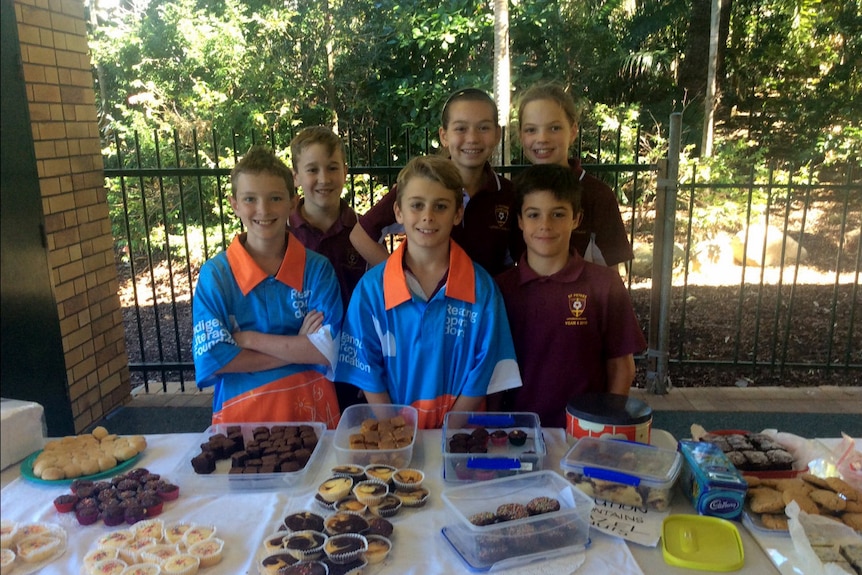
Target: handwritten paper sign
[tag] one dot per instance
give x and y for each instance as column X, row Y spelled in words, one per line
column 637, row 524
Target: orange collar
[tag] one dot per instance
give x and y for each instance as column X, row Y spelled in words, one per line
column 461, row 283
column 248, row 274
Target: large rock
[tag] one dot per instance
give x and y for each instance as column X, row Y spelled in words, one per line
column 773, row 238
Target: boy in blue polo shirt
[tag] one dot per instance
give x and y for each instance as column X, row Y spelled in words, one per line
column 427, row 327
column 574, row 327
column 267, row 312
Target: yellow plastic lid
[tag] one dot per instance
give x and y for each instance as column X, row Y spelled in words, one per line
column 701, row 542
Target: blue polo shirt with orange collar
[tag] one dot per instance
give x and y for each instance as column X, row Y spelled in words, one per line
column 233, row 293
column 428, row 353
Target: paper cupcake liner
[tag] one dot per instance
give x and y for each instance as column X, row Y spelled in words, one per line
column 307, row 553
column 373, row 555
column 400, row 484
column 348, row 556
column 368, row 499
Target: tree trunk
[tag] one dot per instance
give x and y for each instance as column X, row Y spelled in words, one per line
column 502, row 76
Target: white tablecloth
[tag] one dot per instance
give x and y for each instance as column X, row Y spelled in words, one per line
column 244, row 519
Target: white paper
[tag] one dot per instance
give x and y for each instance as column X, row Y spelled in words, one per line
column 637, row 524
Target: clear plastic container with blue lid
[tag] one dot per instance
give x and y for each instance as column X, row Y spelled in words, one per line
column 623, row 472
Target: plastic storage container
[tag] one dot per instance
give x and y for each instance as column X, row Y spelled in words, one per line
column 221, row 479
column 351, row 425
column 624, row 472
column 503, row 458
column 511, row 543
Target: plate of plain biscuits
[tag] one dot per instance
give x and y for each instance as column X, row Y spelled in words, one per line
column 829, row 497
column 90, row 456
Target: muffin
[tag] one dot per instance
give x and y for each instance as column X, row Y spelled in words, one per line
column 345, row 522
column 408, row 478
column 355, row 567
column 350, row 503
column 7, row 560
column 109, row 567
column 142, row 569
column 335, row 488
column 65, row 503
column 355, row 472
column 378, row 548
column 379, row 526
column 198, row 533
column 412, row 497
column 386, row 507
column 275, row 541
column 345, row 548
column 511, row 512
column 117, row 539
column 539, row 505
column 273, row 563
column 159, row 553
column 153, row 528
column 517, row 437
column 97, row 555
column 483, row 518
column 38, row 548
column 8, row 533
column 131, row 552
column 370, row 492
column 184, row 564
column 499, row 438
column 303, row 521
column 380, row 472
column 174, row 532
column 209, row 551
column 305, row 568
column 305, row 545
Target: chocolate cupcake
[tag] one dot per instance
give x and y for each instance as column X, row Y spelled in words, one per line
column 483, row 519
column 135, row 513
column 303, row 521
column 87, row 515
column 345, row 548
column 517, row 437
column 113, row 514
column 539, row 505
column 305, row 545
column 512, row 511
column 499, row 438
column 379, row 526
column 65, row 503
column 345, row 522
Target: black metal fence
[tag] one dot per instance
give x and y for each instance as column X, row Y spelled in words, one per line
column 170, row 213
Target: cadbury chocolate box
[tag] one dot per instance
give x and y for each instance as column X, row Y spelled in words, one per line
column 710, row 481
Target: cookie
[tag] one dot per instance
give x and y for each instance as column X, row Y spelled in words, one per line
column 828, row 501
column 853, row 520
column 774, row 521
column 765, row 500
column 803, row 499
column 843, row 488
column 814, row 480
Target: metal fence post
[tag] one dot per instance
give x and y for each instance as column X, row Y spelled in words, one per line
column 662, row 263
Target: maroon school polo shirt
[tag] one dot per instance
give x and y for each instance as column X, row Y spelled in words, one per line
column 335, row 244
column 565, row 327
column 485, row 231
column 602, row 217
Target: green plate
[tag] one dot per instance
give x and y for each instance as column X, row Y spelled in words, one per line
column 27, row 471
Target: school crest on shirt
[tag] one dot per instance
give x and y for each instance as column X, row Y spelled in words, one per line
column 501, row 216
column 577, row 307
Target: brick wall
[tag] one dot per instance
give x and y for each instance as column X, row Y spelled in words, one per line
column 59, row 81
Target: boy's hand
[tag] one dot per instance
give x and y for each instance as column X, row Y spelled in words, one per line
column 313, row 321
column 243, row 338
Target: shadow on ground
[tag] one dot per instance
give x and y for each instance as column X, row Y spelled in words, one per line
column 151, row 420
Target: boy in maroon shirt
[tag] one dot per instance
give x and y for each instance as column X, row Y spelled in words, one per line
column 323, row 220
column 572, row 321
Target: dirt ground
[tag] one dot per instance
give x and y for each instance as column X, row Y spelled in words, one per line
column 781, row 329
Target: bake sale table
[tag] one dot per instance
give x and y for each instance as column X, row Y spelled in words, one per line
column 244, row 518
